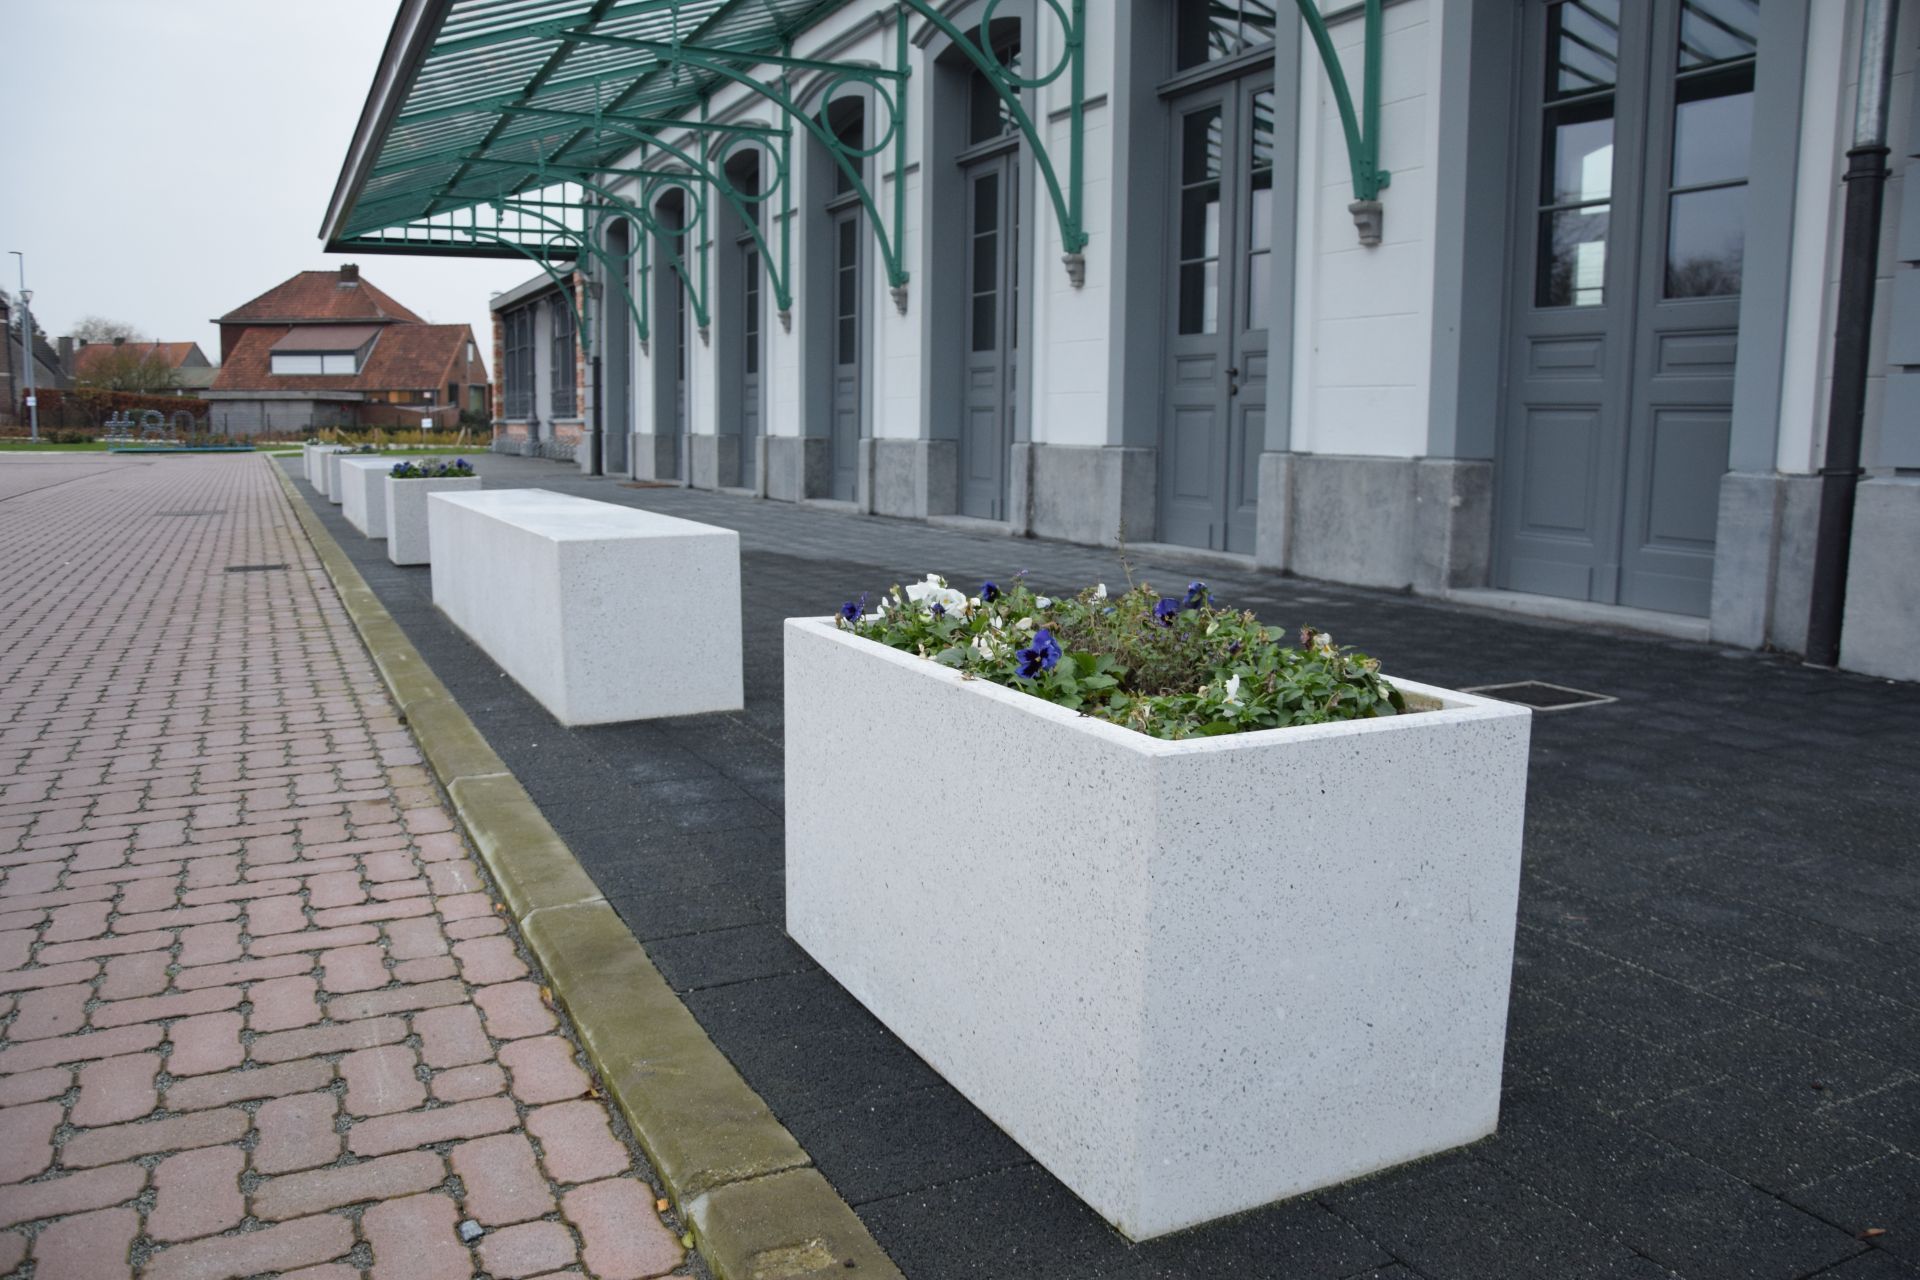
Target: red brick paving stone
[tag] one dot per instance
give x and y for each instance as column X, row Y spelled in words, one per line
column 298, row 1194
column 113, row 1090
column 50, row 976
column 277, row 1248
column 543, row 1070
column 514, row 1010
column 416, row 1239
column 296, row 1133
column 80, row 1048
column 526, row 1250
column 93, row 948
column 624, row 1237
column 197, row 1193
column 282, row 1004
column 482, row 1080
column 400, row 889
column 313, row 940
column 415, row 939
column 177, row 1133
column 283, row 1046
column 26, row 1139
column 465, row 906
column 426, row 822
column 13, row 1248
column 206, row 1042
column 93, row 1189
column 88, row 1246
column 275, row 915
column 425, row 969
column 210, row 943
column 576, row 1142
column 372, row 911
column 461, row 930
column 302, row 1076
column 382, row 867
column 81, row 920
column 484, row 961
column 131, row 976
column 258, row 972
column 350, row 969
column 16, row 948
column 37, row 1086
column 453, row 876
column 426, row 995
column 452, row 1037
column 419, row 1128
column 438, row 848
column 50, row 1011
column 335, row 889
column 381, row 1081
column 148, row 895
column 325, row 1271
column 503, row 1183
column 120, row 1013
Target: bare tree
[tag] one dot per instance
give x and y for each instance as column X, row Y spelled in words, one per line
column 133, row 367
column 103, row 329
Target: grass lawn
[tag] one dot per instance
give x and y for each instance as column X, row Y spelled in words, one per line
column 28, row 446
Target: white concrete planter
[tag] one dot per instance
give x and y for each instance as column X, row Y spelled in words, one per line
column 408, row 540
column 1190, row 978
column 332, row 463
column 317, row 468
column 364, row 493
column 603, row 613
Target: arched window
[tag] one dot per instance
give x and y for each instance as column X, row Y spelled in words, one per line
column 562, row 402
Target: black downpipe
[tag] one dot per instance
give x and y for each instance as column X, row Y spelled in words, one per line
column 1866, row 181
column 599, row 438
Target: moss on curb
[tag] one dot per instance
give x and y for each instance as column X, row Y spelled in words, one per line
column 759, row 1211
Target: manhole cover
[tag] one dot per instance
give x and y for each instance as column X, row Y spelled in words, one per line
column 1542, row 696
column 254, row 568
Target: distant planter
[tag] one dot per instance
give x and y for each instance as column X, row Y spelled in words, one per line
column 331, row 462
column 408, row 538
column 363, row 488
column 1189, row 977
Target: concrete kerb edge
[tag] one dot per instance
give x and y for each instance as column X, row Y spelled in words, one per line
column 757, row 1207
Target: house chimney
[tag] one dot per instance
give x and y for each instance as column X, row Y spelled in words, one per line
column 119, row 341
column 350, row 273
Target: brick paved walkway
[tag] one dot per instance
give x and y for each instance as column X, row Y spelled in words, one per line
column 258, row 1013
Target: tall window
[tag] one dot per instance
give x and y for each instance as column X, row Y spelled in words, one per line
column 563, row 398
column 518, row 374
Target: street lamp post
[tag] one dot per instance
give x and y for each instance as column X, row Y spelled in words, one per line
column 26, row 347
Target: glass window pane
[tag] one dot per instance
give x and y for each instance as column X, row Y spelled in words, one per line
column 986, row 203
column 1579, row 160
column 1583, row 47
column 1573, row 257
column 849, row 292
column 1209, row 30
column 1706, row 238
column 848, row 340
column 988, row 115
column 986, row 263
column 1200, row 146
column 1200, row 221
column 1712, row 138
column 1260, row 214
column 1200, row 297
column 984, row 307
column 1717, row 31
column 1259, row 289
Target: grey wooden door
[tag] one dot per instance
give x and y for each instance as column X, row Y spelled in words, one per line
column 682, row 366
column 1214, row 424
column 617, row 366
column 849, row 344
column 992, row 187
column 750, row 422
column 1628, row 235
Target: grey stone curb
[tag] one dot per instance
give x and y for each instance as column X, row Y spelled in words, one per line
column 758, row 1208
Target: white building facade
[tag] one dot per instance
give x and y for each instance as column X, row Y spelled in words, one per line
column 1551, row 325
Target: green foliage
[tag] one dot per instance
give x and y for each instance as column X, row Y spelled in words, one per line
column 1172, row 667
column 431, row 469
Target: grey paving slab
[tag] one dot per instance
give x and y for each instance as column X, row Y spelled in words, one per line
column 1713, row 1065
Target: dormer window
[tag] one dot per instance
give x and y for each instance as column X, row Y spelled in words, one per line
column 323, row 350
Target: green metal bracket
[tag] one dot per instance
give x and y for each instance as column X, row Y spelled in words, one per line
column 1362, row 133
column 1072, row 16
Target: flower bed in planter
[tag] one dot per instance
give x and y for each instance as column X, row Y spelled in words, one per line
column 407, row 487
column 1189, row 977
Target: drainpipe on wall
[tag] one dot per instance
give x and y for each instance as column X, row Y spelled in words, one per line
column 1866, row 181
column 599, row 439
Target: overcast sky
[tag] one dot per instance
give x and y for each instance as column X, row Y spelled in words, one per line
column 163, row 162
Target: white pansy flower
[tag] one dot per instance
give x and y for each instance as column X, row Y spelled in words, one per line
column 1042, row 601
column 1100, row 591
column 1233, row 691
column 1025, row 624
column 947, row 598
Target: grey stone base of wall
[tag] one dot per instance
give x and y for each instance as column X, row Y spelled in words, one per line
column 911, row 478
column 653, row 457
column 798, row 467
column 1424, row 524
column 1092, row 494
column 1763, row 559
column 1881, row 632
column 587, row 451
column 716, row 460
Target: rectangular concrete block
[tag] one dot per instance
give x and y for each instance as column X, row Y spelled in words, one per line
column 409, row 539
column 603, row 613
column 1880, row 635
column 1224, row 972
column 332, row 462
column 363, row 486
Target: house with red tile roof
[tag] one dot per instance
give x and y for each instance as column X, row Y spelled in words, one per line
column 330, row 349
column 186, row 364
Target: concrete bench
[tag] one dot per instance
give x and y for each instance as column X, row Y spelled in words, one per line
column 602, row 613
column 408, row 534
column 363, row 493
column 332, row 463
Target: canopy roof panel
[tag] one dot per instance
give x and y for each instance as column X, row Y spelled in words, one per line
column 473, row 95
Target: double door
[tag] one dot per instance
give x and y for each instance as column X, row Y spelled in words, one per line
column 1220, row 264
column 1628, row 233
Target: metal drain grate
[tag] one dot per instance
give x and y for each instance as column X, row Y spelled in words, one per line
column 1542, row 696
column 254, row 568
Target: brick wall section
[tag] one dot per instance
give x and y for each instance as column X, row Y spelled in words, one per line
column 499, row 396
column 258, row 1011
column 582, row 384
